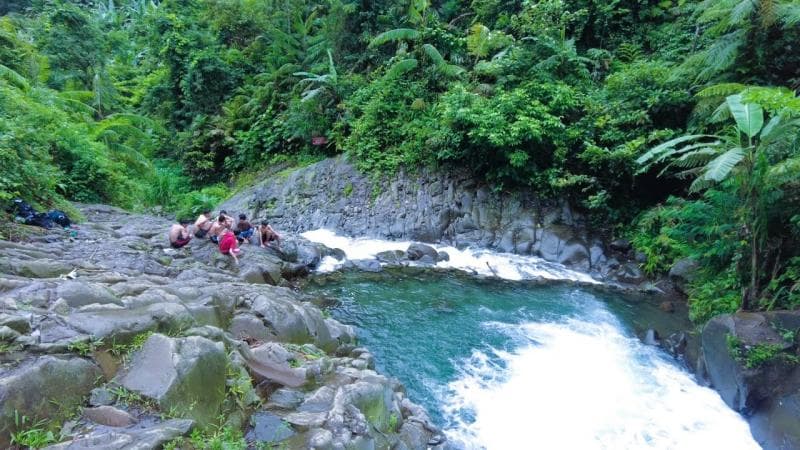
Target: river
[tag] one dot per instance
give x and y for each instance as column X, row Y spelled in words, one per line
column 511, row 363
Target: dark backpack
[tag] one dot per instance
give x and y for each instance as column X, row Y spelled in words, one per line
column 39, row 220
column 60, row 218
column 23, row 209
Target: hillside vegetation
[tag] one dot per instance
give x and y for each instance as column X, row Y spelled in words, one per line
column 674, row 122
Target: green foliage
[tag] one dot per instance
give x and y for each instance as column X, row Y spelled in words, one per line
column 32, row 434
column 753, row 357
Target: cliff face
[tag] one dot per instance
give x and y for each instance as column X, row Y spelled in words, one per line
column 428, row 206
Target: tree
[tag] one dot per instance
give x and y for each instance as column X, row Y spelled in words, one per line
column 752, row 158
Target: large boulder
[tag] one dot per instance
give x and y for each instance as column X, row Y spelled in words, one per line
column 290, row 320
column 185, row 373
column 262, row 273
column 417, row 251
column 43, row 388
column 766, row 390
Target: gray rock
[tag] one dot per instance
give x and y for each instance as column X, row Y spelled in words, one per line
column 264, row 272
column 271, row 362
column 443, row 256
column 19, row 323
column 366, row 265
column 43, row 387
column 109, row 416
column 417, row 251
column 629, row 273
column 101, row 397
column 683, row 272
column 285, row 399
column 150, row 437
column 269, row 428
column 186, row 373
column 620, row 245
column 651, row 337
column 79, row 293
column 394, row 257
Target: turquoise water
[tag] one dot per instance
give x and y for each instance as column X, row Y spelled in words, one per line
column 489, row 359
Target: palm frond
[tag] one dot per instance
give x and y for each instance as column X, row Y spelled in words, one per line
column 400, row 67
column 720, row 167
column 721, row 54
column 398, row 34
column 663, row 150
column 433, row 54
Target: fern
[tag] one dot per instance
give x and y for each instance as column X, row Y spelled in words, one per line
column 399, row 34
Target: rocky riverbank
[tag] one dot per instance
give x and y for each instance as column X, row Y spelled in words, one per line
column 113, row 340
column 447, row 207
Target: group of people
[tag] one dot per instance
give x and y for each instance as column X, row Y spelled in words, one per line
column 221, row 231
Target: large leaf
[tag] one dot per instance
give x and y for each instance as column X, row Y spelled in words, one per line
column 401, row 67
column 720, row 167
column 398, row 34
column 433, row 54
column 749, row 116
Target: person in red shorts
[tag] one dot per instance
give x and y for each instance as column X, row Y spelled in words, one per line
column 229, row 245
column 179, row 234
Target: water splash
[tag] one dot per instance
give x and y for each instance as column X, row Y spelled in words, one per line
column 483, row 262
column 584, row 385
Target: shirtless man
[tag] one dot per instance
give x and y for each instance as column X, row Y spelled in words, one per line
column 203, row 224
column 219, row 225
column 179, row 233
column 266, row 235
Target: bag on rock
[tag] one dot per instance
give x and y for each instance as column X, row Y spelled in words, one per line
column 59, row 217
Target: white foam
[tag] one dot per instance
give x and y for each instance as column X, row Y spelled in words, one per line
column 484, row 262
column 581, row 385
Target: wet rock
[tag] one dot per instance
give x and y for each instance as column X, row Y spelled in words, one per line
column 269, row 428
column 43, row 387
column 416, row 251
column 366, row 265
column 186, row 373
column 651, row 337
column 109, row 416
column 393, row 257
column 743, row 389
column 291, row 271
column 443, row 256
column 629, row 273
column 667, row 306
